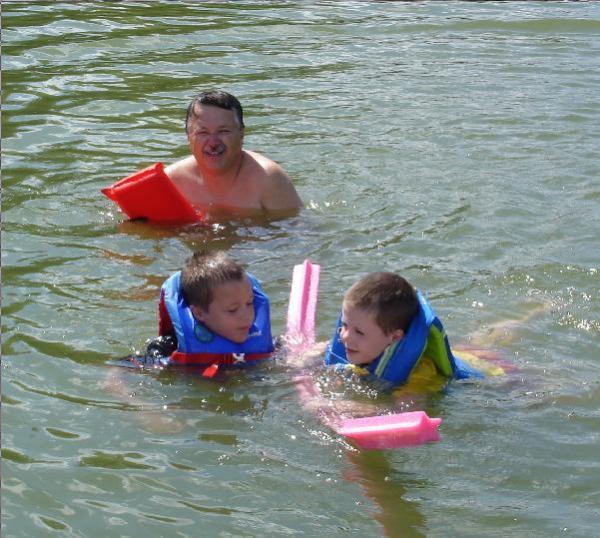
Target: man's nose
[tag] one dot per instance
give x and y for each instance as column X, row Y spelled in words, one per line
column 214, row 138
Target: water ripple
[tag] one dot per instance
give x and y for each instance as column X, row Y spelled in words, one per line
column 450, row 141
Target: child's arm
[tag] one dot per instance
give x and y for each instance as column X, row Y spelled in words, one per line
column 306, row 357
column 152, row 417
column 330, row 411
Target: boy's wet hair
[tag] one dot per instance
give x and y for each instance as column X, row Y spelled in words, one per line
column 205, row 270
column 216, row 98
column 388, row 296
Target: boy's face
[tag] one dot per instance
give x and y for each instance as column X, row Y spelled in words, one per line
column 362, row 336
column 231, row 312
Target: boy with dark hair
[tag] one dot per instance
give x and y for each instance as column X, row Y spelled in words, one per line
column 211, row 313
column 388, row 329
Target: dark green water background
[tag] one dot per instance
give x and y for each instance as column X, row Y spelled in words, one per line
column 456, row 143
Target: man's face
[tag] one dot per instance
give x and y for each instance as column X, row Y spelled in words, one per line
column 215, row 137
column 231, row 312
column 362, row 337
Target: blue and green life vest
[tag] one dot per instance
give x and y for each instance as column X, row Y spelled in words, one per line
column 425, row 337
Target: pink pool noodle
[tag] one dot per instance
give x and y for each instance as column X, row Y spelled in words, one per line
column 391, row 431
column 303, row 304
column 371, row 433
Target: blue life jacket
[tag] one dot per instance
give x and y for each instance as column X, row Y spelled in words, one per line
column 425, row 337
column 196, row 344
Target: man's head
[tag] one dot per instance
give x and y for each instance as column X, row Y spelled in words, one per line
column 377, row 311
column 219, row 294
column 215, row 130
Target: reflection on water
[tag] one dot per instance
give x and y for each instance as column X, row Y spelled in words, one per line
column 388, row 489
column 457, row 147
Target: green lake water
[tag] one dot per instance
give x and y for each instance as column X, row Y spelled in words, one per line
column 453, row 142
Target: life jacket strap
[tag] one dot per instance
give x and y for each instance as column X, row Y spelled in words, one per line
column 220, row 359
column 211, row 371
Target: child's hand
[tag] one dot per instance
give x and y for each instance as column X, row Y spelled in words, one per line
column 316, row 350
column 159, row 349
column 304, row 357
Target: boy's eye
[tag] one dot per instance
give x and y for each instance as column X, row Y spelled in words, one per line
column 360, row 332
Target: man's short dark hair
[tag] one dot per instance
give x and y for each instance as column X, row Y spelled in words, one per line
column 219, row 99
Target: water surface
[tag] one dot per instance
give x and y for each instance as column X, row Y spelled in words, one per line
column 455, row 143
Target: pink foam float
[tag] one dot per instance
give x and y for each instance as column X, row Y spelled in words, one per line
column 302, row 307
column 371, row 433
column 391, row 431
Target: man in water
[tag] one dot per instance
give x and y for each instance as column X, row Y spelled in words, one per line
column 219, row 174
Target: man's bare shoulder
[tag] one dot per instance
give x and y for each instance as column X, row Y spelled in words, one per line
column 182, row 169
column 277, row 190
column 263, row 165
